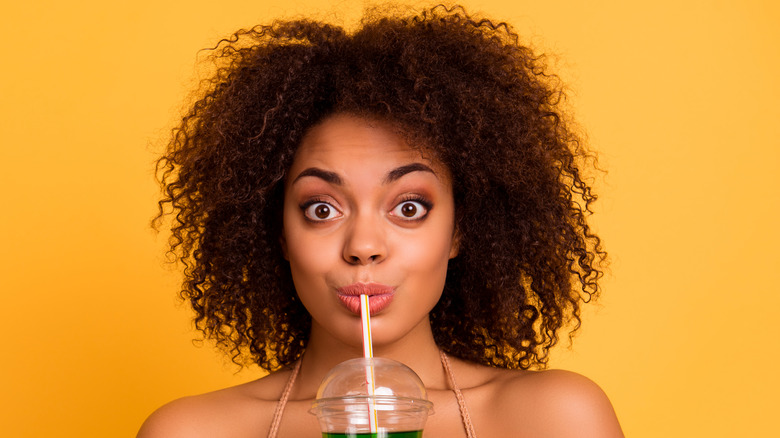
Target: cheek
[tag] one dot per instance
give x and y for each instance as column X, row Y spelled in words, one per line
column 430, row 249
column 304, row 253
column 309, row 256
column 309, row 269
column 427, row 255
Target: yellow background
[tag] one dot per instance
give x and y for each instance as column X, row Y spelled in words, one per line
column 680, row 97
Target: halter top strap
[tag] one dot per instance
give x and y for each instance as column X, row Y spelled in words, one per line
column 445, row 361
column 283, row 401
column 464, row 411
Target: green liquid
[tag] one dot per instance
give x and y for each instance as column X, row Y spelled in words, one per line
column 407, row 434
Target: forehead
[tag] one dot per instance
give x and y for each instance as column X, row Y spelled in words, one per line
column 343, row 141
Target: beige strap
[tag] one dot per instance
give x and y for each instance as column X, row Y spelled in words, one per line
column 283, row 401
column 464, row 412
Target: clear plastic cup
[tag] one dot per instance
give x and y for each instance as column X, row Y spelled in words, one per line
column 344, row 405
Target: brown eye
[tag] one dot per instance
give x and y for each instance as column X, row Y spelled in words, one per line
column 320, row 211
column 410, row 210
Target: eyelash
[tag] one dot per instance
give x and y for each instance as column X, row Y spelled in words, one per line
column 417, row 198
column 428, row 205
column 317, row 200
column 424, row 202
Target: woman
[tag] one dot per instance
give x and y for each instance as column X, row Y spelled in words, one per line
column 423, row 161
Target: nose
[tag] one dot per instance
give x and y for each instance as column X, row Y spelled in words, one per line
column 365, row 241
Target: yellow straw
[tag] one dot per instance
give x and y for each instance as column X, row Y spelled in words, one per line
column 368, row 353
column 365, row 316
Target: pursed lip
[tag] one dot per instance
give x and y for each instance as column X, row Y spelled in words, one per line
column 379, row 296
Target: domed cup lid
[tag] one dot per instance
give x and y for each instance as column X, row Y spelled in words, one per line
column 394, row 383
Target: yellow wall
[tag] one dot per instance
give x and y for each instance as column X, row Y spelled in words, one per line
column 680, row 97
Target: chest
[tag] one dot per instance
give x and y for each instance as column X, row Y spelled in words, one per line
column 446, row 421
column 297, row 422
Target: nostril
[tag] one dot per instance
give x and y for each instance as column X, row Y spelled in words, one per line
column 357, row 260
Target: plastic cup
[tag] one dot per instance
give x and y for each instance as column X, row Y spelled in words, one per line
column 344, row 404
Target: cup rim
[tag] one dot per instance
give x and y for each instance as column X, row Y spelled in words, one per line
column 407, row 402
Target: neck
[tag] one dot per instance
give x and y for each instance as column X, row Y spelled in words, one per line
column 416, row 349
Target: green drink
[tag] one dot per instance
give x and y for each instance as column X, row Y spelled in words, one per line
column 407, row 434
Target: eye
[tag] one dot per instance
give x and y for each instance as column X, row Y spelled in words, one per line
column 320, row 211
column 411, row 210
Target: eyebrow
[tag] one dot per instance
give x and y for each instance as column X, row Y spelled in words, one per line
column 327, row 176
column 397, row 173
column 393, row 175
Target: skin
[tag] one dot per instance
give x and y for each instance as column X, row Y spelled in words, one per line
column 362, row 206
column 366, row 238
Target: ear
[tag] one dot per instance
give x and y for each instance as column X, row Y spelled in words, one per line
column 283, row 243
column 455, row 244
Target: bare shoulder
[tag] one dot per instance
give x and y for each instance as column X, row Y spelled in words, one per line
column 555, row 403
column 232, row 412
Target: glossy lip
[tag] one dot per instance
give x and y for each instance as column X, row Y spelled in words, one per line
column 379, row 296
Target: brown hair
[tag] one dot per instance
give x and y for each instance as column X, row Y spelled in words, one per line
column 484, row 104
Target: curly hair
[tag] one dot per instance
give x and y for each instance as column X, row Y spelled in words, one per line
column 484, row 104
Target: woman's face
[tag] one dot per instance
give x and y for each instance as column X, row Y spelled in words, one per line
column 365, row 213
